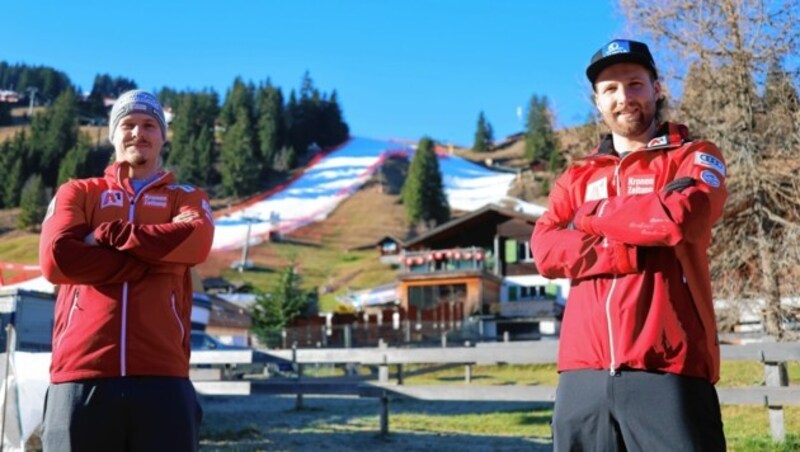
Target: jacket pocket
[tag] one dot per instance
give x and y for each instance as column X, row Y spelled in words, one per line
column 172, row 301
column 72, row 308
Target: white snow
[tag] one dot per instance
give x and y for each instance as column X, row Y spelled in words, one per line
column 319, row 190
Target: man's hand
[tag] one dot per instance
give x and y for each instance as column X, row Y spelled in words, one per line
column 185, row 217
column 680, row 184
column 586, row 208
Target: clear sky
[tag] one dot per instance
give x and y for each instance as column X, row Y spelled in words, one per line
column 401, row 69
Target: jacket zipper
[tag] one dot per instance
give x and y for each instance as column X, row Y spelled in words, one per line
column 72, row 309
column 177, row 317
column 612, row 368
column 124, row 330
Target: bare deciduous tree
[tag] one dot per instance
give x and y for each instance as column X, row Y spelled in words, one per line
column 725, row 52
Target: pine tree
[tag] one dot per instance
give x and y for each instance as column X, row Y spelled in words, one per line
column 74, row 165
column 274, row 310
column 238, row 98
column 33, row 204
column 423, row 191
column 270, row 124
column 5, row 114
column 53, row 133
column 483, row 135
column 240, row 165
column 14, row 162
column 540, row 139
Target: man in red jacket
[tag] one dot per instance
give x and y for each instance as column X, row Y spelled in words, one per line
column 630, row 226
column 120, row 248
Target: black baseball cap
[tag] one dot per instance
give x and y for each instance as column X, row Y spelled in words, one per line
column 620, row 51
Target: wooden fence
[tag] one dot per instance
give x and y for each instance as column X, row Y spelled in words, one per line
column 775, row 394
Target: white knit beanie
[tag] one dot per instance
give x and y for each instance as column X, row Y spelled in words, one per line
column 136, row 101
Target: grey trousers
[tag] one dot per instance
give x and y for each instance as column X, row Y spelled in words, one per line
column 122, row 414
column 636, row 411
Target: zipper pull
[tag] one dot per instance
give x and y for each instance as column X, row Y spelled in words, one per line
column 612, row 372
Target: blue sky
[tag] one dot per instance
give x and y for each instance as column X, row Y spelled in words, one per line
column 401, row 69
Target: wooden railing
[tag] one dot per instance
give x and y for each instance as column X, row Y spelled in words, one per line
column 775, row 394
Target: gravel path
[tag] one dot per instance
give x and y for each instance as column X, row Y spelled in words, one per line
column 263, row 422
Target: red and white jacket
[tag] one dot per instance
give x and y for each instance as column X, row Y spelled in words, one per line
column 641, row 290
column 123, row 307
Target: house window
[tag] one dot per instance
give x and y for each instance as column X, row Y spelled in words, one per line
column 430, row 297
column 512, row 293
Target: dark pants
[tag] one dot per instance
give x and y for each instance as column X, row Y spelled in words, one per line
column 122, row 414
column 636, row 411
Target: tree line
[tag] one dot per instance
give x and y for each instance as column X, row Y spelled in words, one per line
column 255, row 136
column 233, row 149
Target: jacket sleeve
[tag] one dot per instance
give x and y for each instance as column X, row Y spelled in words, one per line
column 164, row 243
column 666, row 219
column 564, row 253
column 66, row 259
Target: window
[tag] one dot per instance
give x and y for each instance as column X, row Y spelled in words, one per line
column 430, row 297
column 512, row 293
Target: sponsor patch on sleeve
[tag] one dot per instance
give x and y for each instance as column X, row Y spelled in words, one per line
column 710, row 178
column 51, row 209
column 709, row 161
column 207, row 210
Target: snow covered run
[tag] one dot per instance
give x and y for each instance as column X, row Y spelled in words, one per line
column 328, row 181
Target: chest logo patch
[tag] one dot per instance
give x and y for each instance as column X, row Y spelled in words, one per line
column 111, row 198
column 155, row 200
column 639, row 185
column 596, row 190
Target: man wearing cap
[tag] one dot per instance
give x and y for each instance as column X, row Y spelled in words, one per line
column 630, row 225
column 120, row 248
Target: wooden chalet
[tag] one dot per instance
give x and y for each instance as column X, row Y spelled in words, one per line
column 457, row 270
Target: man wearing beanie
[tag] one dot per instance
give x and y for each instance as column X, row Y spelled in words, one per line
column 120, row 248
column 630, row 225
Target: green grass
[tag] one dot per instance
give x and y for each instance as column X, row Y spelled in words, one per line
column 533, row 374
column 746, row 427
column 320, row 266
column 520, row 422
column 21, row 249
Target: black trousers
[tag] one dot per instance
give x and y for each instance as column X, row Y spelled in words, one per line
column 122, row 414
column 636, row 411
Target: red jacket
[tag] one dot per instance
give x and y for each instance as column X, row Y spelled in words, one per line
column 641, row 291
column 123, row 307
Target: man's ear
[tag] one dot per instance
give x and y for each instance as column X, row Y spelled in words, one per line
column 658, row 89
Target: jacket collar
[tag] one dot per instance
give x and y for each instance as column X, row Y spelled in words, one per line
column 117, row 174
column 668, row 136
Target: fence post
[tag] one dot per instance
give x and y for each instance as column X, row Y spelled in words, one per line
column 383, row 369
column 468, row 373
column 384, row 414
column 505, row 336
column 298, row 403
column 776, row 375
column 444, row 340
column 399, row 374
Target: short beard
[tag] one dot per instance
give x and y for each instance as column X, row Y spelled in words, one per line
column 628, row 129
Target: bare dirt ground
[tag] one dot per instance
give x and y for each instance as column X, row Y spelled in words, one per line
column 263, row 422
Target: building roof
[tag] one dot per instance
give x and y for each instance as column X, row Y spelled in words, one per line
column 482, row 224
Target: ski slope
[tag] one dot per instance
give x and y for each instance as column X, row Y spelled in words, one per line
column 328, row 181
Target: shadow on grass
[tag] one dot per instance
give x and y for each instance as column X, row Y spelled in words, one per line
column 360, row 441
column 262, row 422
